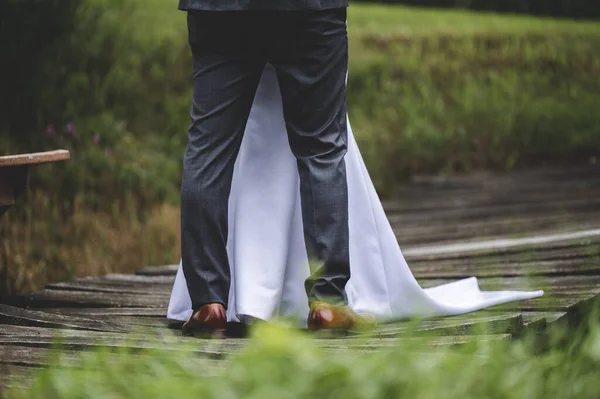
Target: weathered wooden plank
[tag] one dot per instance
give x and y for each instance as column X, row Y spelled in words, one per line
column 582, row 312
column 133, row 321
column 497, row 185
column 95, row 286
column 34, row 357
column 517, row 255
column 521, row 181
column 530, row 175
column 166, row 270
column 15, row 377
column 10, row 330
column 222, row 348
column 164, row 340
column 118, row 283
column 125, row 281
column 109, row 313
column 505, row 323
column 439, row 203
column 19, row 365
column 440, row 232
column 483, row 323
column 487, row 212
column 28, row 359
column 517, row 207
column 137, row 279
column 496, row 324
column 583, row 246
column 215, row 350
column 489, row 246
column 479, row 323
column 26, row 317
column 58, row 298
column 34, row 158
column 502, row 268
column 548, row 304
column 25, row 356
column 159, row 322
column 539, row 322
column 415, row 343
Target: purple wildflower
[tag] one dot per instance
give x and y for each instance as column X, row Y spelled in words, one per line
column 70, row 130
column 50, row 132
column 96, row 139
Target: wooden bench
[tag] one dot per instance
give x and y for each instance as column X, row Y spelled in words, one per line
column 14, row 173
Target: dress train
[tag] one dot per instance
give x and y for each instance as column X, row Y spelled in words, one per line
column 266, row 245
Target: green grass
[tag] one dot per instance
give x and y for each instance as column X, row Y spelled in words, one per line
column 412, row 23
column 435, row 91
column 386, row 19
column 279, row 364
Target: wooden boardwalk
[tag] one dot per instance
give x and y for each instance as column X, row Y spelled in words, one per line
column 525, row 230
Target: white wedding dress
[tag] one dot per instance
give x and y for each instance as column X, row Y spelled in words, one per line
column 266, row 243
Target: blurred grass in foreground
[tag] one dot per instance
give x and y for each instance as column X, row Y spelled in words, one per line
column 281, row 364
column 429, row 92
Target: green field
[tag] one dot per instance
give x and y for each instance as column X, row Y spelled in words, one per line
column 384, row 19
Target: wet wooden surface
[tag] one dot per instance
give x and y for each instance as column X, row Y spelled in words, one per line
column 437, row 221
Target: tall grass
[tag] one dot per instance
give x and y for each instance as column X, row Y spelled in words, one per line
column 45, row 244
column 454, row 103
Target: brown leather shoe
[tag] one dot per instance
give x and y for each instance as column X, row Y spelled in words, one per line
column 209, row 320
column 324, row 316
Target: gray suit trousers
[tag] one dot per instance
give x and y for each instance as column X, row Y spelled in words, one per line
column 309, row 51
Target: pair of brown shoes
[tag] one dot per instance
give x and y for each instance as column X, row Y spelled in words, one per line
column 211, row 319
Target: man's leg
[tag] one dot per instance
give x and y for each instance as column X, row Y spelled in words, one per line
column 311, row 57
column 226, row 75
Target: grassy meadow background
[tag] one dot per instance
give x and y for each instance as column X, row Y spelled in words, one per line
column 429, row 91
